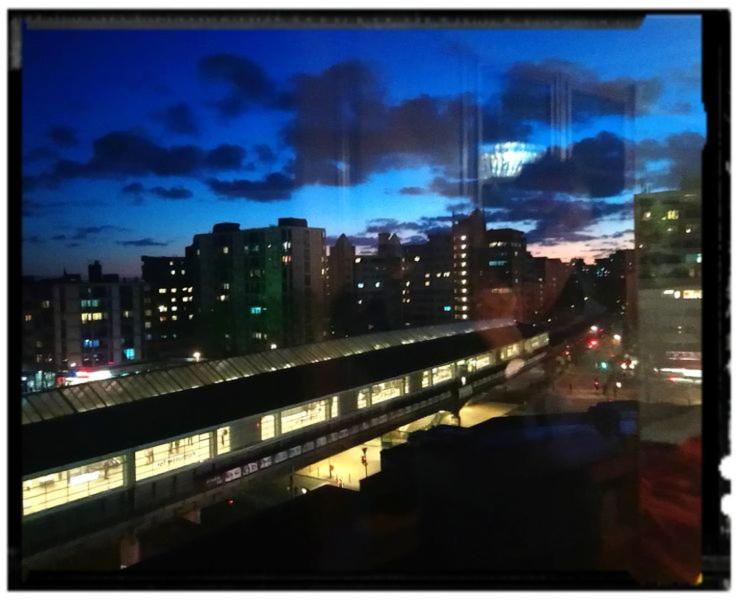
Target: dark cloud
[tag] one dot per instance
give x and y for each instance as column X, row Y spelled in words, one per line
column 616, row 235
column 178, row 118
column 131, row 153
column 556, row 219
column 386, row 225
column 33, row 239
column 683, row 153
column 64, row 137
column 225, row 157
column 412, row 191
column 247, row 83
column 40, row 154
column 423, row 225
column 499, row 126
column 273, row 187
column 532, row 91
column 453, row 189
column 72, row 245
column 83, row 233
column 143, row 242
column 595, row 167
column 134, row 189
column 344, row 130
column 355, row 240
column 59, row 237
column 460, row 207
column 265, row 154
column 172, row 193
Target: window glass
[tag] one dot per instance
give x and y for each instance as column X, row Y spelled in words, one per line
column 54, row 489
column 169, row 456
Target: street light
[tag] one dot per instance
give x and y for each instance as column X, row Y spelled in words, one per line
column 197, row 356
column 617, row 337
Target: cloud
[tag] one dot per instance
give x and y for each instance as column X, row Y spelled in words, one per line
column 83, row 233
column 226, row 157
column 460, row 207
column 39, row 154
column 595, row 167
column 265, row 154
column 355, row 240
column 143, row 242
column 246, row 82
column 172, row 193
column 412, row 191
column 453, row 189
column 423, row 225
column 64, row 137
column 136, row 189
column 344, row 129
column 556, row 218
column 130, row 153
column 273, row 187
column 178, row 118
column 33, row 239
column 531, row 91
column 683, row 153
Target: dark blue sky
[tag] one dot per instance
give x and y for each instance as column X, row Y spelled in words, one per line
column 136, row 140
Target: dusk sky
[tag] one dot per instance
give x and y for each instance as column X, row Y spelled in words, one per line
column 134, row 141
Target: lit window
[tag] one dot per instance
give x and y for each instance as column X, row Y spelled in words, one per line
column 46, row 304
column 161, row 290
column 147, row 324
column 129, row 353
column 173, row 455
column 416, row 259
column 303, row 416
column 357, row 260
column 223, row 440
column 162, row 308
column 361, row 285
column 183, row 272
column 28, row 318
column 463, row 237
column 268, row 427
column 673, row 215
column 256, row 310
column 173, row 272
column 226, row 249
column 226, row 286
column 378, row 284
column 62, row 487
column 692, row 294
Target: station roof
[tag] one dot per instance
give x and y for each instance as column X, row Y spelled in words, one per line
column 96, row 395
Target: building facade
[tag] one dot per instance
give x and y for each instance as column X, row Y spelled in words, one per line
column 427, row 286
column 168, row 307
column 256, row 289
column 668, row 247
column 70, row 323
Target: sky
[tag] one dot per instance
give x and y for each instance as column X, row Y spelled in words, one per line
column 135, row 140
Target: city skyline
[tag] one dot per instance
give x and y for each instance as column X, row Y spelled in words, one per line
column 352, row 130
